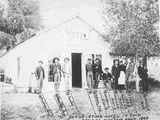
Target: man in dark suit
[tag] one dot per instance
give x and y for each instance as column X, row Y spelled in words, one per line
column 115, row 73
column 57, row 72
column 97, row 71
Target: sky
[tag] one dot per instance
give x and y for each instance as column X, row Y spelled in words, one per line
column 54, row 12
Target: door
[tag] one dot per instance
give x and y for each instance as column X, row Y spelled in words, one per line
column 76, row 70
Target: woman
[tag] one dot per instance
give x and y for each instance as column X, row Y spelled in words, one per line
column 122, row 77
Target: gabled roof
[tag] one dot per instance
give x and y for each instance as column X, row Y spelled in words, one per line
column 57, row 26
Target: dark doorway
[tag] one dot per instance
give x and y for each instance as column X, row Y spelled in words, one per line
column 76, row 70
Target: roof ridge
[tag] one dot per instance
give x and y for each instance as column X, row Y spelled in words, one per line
column 56, row 26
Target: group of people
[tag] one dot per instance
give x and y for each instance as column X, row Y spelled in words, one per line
column 127, row 72
column 56, row 72
column 124, row 75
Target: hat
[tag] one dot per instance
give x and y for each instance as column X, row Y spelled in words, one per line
column 54, row 59
column 66, row 58
column 40, row 61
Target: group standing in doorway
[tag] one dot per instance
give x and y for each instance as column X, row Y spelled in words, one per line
column 59, row 71
column 93, row 72
column 123, row 73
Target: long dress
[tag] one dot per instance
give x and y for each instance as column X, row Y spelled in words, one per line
column 121, row 80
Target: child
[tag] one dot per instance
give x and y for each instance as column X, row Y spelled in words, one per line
column 107, row 77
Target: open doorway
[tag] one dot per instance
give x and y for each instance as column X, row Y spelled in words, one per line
column 76, row 70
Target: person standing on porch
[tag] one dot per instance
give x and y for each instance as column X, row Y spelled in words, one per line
column 107, row 78
column 115, row 73
column 66, row 69
column 142, row 72
column 40, row 75
column 97, row 71
column 129, row 72
column 89, row 73
column 122, row 77
column 137, row 78
column 50, row 71
column 57, row 73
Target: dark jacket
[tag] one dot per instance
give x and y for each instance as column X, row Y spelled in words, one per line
column 50, row 69
column 142, row 72
column 39, row 71
column 97, row 68
column 56, row 68
column 122, row 68
column 50, row 73
column 115, row 71
column 106, row 76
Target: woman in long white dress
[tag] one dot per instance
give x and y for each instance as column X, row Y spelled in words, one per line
column 121, row 80
column 122, row 77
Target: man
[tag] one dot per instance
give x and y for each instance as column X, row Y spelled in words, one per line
column 97, row 70
column 57, row 73
column 40, row 75
column 66, row 69
column 50, row 71
column 89, row 73
column 115, row 73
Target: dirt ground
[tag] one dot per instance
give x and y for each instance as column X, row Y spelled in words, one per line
column 25, row 106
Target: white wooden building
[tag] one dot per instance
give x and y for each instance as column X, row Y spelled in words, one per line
column 73, row 38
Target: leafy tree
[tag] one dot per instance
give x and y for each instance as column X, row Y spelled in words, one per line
column 136, row 31
column 21, row 16
column 6, row 40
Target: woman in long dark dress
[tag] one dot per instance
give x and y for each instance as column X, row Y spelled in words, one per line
column 142, row 72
